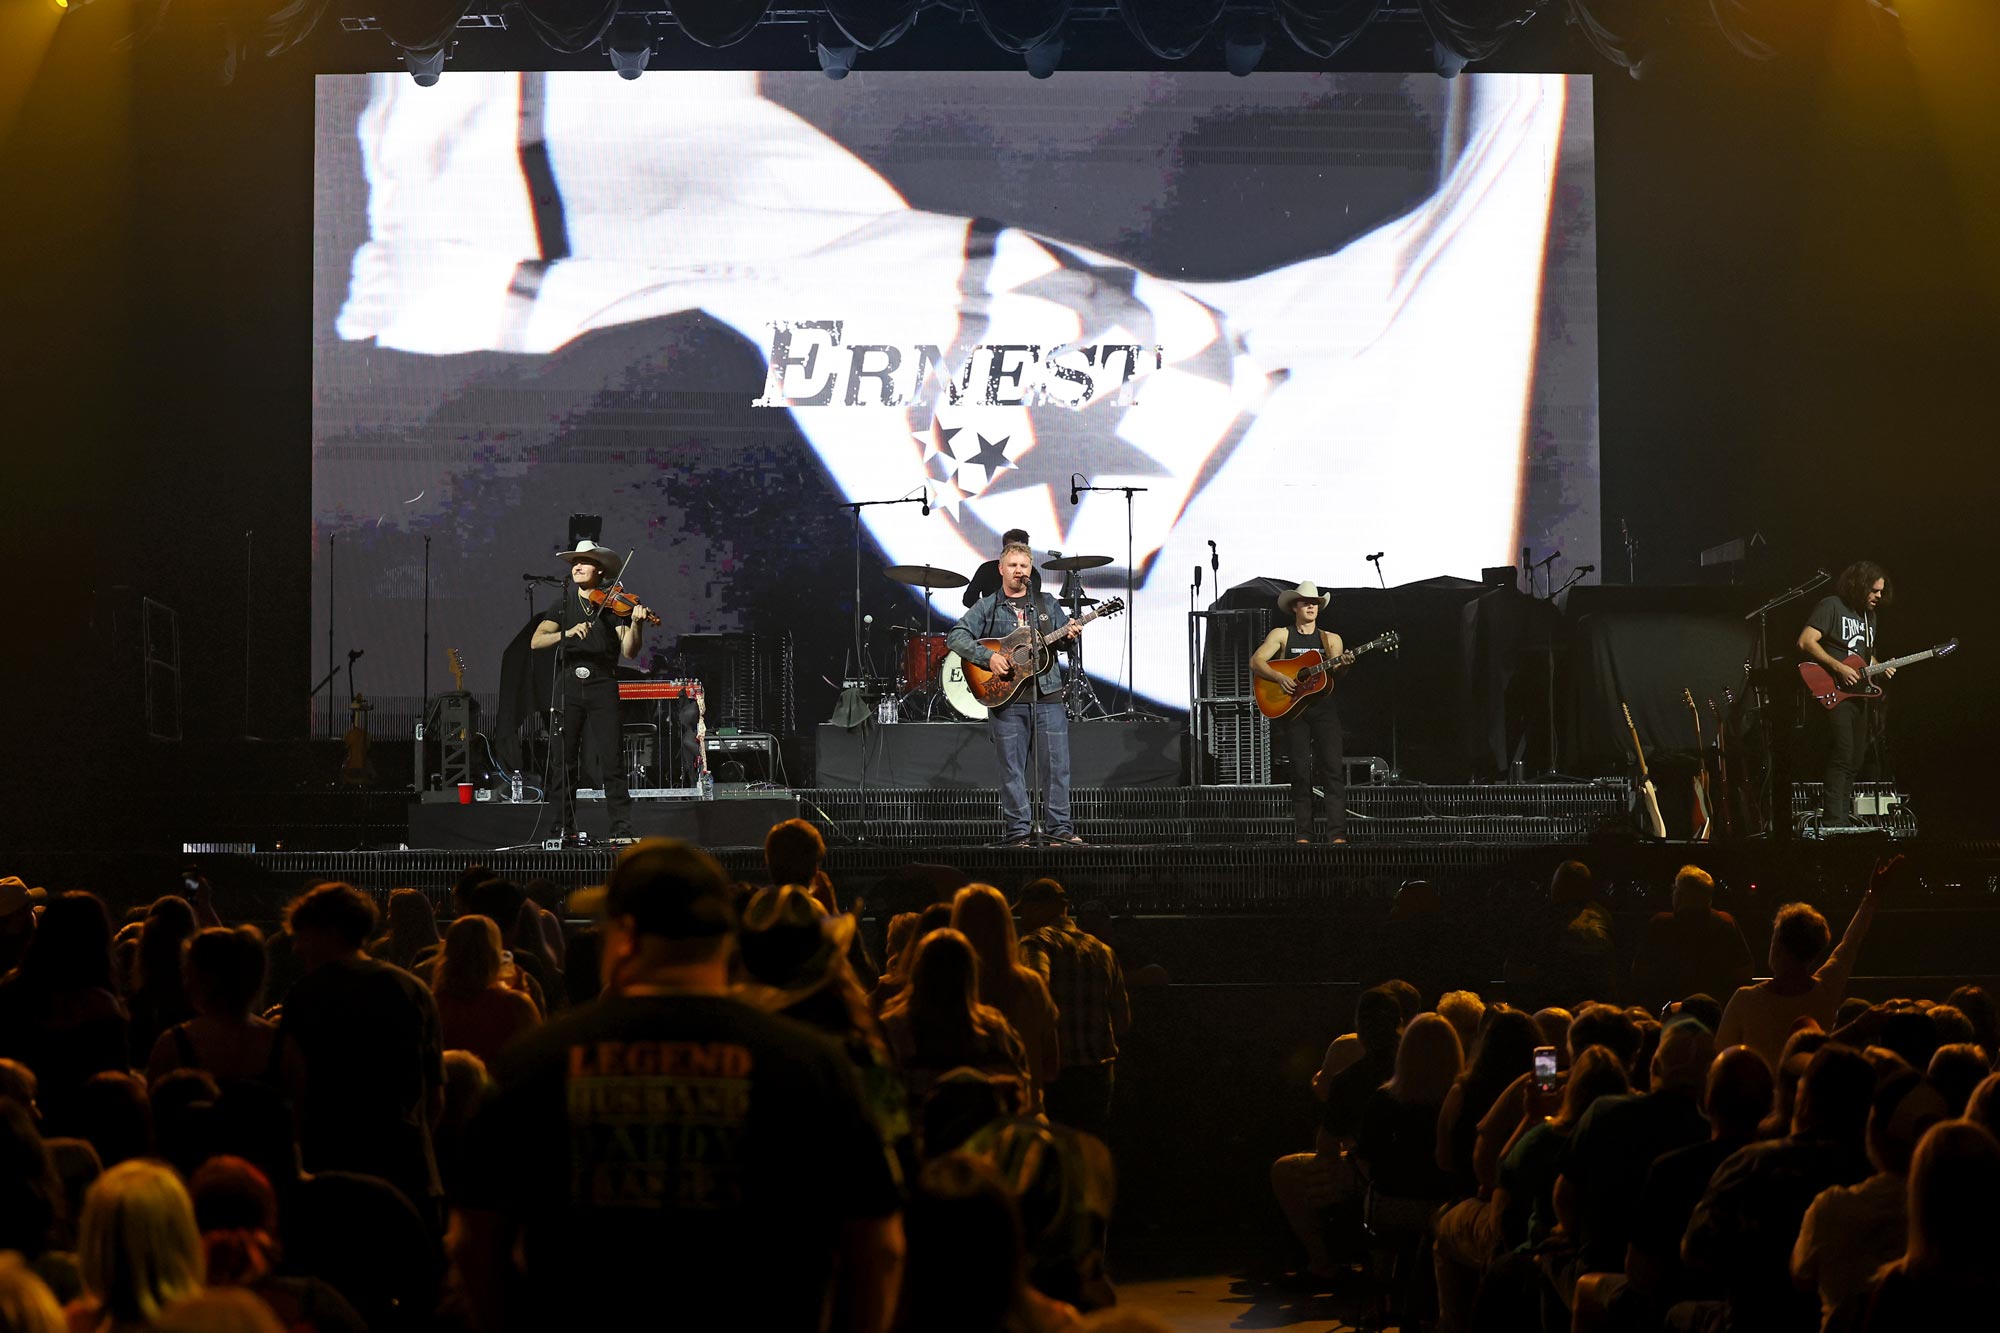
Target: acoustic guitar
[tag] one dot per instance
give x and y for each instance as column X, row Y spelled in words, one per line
column 1021, row 648
column 1311, row 673
column 1645, row 798
column 1704, row 805
column 1830, row 693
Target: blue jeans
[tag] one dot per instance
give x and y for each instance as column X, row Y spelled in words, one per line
column 1008, row 726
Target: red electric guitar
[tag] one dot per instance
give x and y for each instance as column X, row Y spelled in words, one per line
column 1830, row 693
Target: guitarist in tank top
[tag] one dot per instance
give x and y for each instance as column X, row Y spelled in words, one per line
column 1310, row 733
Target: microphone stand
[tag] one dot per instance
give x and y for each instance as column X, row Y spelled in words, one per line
column 1131, row 601
column 1395, row 681
column 425, row 711
column 862, row 669
column 1554, row 772
column 1775, row 791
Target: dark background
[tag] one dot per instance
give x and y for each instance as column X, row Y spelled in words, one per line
column 1796, row 307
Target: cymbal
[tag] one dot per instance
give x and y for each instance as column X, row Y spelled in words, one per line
column 925, row 576
column 1069, row 562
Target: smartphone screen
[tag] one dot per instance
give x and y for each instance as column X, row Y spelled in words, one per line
column 1545, row 1068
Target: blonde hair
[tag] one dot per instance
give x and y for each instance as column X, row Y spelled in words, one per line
column 980, row 913
column 138, row 1249
column 470, row 960
column 1463, row 1009
column 26, row 1304
column 1428, row 1060
column 1011, row 547
column 219, row 1310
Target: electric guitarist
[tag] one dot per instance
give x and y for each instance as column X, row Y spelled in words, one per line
column 1843, row 626
column 1035, row 715
column 1310, row 733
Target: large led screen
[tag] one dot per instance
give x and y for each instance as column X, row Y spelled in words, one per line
column 1305, row 318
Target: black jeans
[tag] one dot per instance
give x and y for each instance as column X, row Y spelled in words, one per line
column 1311, row 736
column 590, row 726
column 1847, row 748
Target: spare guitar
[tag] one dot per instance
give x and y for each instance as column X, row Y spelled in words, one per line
column 1645, row 798
column 1830, row 693
column 457, row 670
column 1704, row 806
column 1727, row 812
column 1308, row 671
column 1019, row 648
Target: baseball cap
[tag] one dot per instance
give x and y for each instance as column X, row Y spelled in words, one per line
column 668, row 887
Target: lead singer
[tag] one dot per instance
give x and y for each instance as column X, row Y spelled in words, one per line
column 1037, row 705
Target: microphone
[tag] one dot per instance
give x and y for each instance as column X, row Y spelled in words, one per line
column 1073, row 487
column 1378, row 555
column 1586, row 569
column 1214, row 560
column 1197, row 576
column 927, row 502
column 353, row 653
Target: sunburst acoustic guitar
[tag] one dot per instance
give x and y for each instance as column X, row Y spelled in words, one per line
column 1030, row 655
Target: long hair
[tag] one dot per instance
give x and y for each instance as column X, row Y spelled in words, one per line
column 1504, row 1052
column 32, row 1201
column 470, row 960
column 72, row 944
column 1598, row 1072
column 1954, row 1227
column 980, row 913
column 412, row 928
column 26, row 1304
column 170, row 924
column 942, row 1000
column 1858, row 578
column 1427, row 1061
column 138, row 1250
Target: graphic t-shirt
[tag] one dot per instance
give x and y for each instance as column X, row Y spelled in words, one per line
column 1840, row 624
column 695, row 1155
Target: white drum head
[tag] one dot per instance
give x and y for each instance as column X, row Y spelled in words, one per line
column 958, row 691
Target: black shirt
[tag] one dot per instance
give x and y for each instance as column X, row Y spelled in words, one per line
column 695, row 1154
column 1843, row 631
column 600, row 648
column 986, row 580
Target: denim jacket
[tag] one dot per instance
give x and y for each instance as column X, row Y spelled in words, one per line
column 990, row 618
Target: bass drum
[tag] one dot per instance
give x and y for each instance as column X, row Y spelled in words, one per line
column 958, row 691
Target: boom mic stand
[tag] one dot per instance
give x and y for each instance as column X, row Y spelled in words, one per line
column 1131, row 601
column 862, row 669
column 1395, row 681
column 1774, row 792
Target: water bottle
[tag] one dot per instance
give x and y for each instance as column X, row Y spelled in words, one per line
column 514, row 787
column 885, row 709
column 707, row 785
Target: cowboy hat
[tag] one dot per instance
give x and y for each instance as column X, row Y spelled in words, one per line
column 16, row 895
column 603, row 557
column 789, row 946
column 1305, row 592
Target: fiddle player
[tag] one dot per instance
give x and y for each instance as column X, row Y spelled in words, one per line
column 593, row 644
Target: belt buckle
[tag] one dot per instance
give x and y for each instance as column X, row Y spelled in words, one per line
column 583, row 673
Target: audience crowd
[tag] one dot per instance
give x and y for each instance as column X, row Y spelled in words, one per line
column 703, row 1102
column 712, row 1098
column 1782, row 1159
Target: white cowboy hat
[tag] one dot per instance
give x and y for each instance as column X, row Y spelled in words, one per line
column 603, row 556
column 1305, row 592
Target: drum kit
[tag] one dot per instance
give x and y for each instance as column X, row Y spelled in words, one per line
column 930, row 676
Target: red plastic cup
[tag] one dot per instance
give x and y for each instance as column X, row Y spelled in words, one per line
column 465, row 793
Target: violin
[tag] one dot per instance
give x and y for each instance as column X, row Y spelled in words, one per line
column 616, row 601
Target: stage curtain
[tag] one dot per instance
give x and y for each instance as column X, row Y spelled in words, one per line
column 1170, row 29
column 719, row 22
column 1474, row 29
column 422, row 25
column 873, row 24
column 1018, row 25
column 1325, row 28
column 570, row 25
